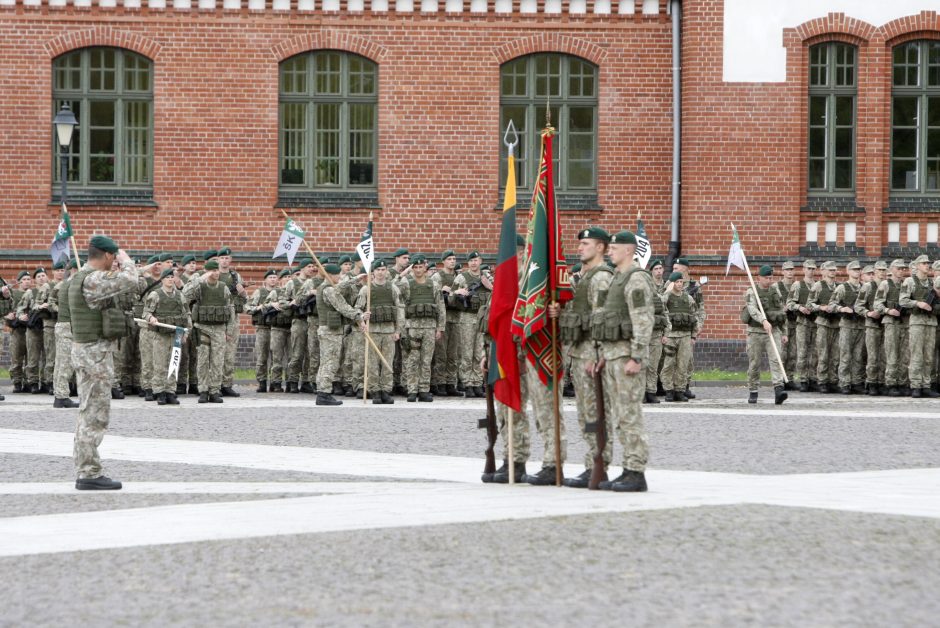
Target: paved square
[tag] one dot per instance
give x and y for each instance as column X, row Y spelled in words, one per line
column 270, row 510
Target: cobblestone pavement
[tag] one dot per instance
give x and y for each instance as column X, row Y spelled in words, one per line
column 268, row 510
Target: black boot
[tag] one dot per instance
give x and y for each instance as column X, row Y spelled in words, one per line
column 73, row 389
column 873, row 390
column 338, row 388
column 930, row 392
column 275, row 387
column 228, row 391
column 387, row 398
column 148, row 395
column 804, row 386
column 894, row 391
column 425, row 397
column 502, row 476
column 915, row 393
column 650, row 398
column 632, row 482
column 780, row 395
column 660, row 391
column 161, row 399
column 789, row 386
column 215, row 398
column 348, row 390
column 487, row 478
column 117, row 393
column 845, row 390
column 142, row 392
column 582, row 480
column 292, row 387
column 679, row 395
column 324, row 399
column 568, row 390
column 545, row 477
column 452, row 391
column 670, row 396
column 97, row 484
column 688, row 393
column 752, row 397
column 17, row 387
column 64, row 403
column 262, row 386
column 823, row 388
column 376, row 398
column 858, row 389
column 412, row 397
column 308, row 388
column 607, row 484
column 45, row 388
column 203, row 397
column 193, row 389
column 35, row 388
column 180, row 389
column 172, row 400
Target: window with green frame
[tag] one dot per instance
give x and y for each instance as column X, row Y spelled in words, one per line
column 569, row 85
column 327, row 122
column 833, row 87
column 915, row 118
column 110, row 90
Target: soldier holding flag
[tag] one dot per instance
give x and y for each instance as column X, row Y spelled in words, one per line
column 165, row 305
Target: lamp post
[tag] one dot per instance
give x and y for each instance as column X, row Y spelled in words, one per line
column 64, row 124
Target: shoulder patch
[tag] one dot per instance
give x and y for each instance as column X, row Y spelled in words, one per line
column 638, row 298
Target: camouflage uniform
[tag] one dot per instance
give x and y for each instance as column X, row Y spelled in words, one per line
column 232, row 329
column 92, row 359
column 298, row 332
column 895, row 333
column 280, row 339
column 758, row 341
column 354, row 342
column 851, row 336
column 694, row 289
column 661, row 326
column 17, row 341
column 470, row 344
column 262, row 333
column 63, row 371
column 145, row 339
column 332, row 309
column 921, row 330
column 827, row 333
column 387, row 320
column 682, row 313
column 521, row 441
column 788, row 351
column 49, row 317
column 444, row 368
column 424, row 317
column 874, row 335
column 313, row 326
column 189, row 363
column 34, row 341
column 212, row 335
column 805, row 340
column 168, row 308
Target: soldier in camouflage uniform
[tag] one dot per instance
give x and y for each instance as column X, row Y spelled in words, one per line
column 851, row 332
column 400, row 266
column 827, row 329
column 354, row 349
column 165, row 305
column 18, row 333
column 917, row 296
column 212, row 310
column 49, row 315
column 256, row 308
column 788, row 350
column 146, row 335
column 308, row 297
column 188, row 379
column 298, row 327
column 894, row 320
column 332, row 311
column 874, row 333
column 63, row 372
column 386, row 322
column 236, row 287
column 805, row 340
column 424, row 325
column 680, row 308
column 660, row 327
column 694, row 289
column 470, row 350
column 280, row 332
column 624, row 326
column 762, row 329
column 444, row 369
column 34, row 341
column 95, row 323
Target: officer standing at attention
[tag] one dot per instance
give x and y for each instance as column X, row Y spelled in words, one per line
column 211, row 312
column 922, row 330
column 851, row 332
column 332, row 312
column 827, row 329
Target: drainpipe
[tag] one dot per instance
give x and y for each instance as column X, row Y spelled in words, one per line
column 675, row 247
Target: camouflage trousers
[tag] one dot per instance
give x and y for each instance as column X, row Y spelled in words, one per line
column 444, row 366
column 354, row 359
column 470, row 350
column 540, row 397
column 232, row 332
column 313, row 350
column 34, row 355
column 897, row 356
column 827, row 354
column 331, row 344
column 18, row 355
column 145, row 343
column 585, row 395
column 211, row 357
column 805, row 346
column 758, row 346
column 851, row 356
column 262, row 353
column 874, row 347
column 95, row 370
column 652, row 366
column 162, row 351
column 626, row 412
column 298, row 350
column 129, row 348
column 417, row 369
column 521, row 442
column 921, row 339
column 48, row 349
column 191, row 363
column 64, row 371
column 380, row 377
column 183, row 378
column 677, row 352
column 790, row 350
column 280, row 343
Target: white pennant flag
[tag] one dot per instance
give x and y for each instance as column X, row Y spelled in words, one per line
column 735, row 254
column 291, row 240
column 366, row 248
column 644, row 251
column 177, row 353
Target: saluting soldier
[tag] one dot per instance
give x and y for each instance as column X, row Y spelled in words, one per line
column 239, row 296
column 446, row 351
column 680, row 309
column 788, row 355
column 470, row 292
column 332, row 311
column 827, row 329
column 874, row 333
column 895, row 322
column 424, row 324
column 212, row 310
column 165, row 305
column 386, row 321
column 256, row 308
column 851, row 332
column 762, row 329
column 63, row 372
column 918, row 298
column 805, row 338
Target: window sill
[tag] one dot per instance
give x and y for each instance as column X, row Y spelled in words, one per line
column 328, row 200
column 108, row 198
column 567, row 202
column 831, row 250
column 913, row 204
column 816, row 203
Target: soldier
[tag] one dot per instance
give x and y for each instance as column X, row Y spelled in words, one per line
column 386, row 321
column 255, row 308
column 424, row 324
column 145, row 336
column 470, row 291
column 44, row 310
column 805, row 345
column 308, row 300
column 298, row 327
column 624, row 327
column 28, row 313
column 212, row 311
column 762, row 329
column 332, row 309
column 935, row 375
column 827, row 329
column 353, row 361
column 694, row 289
column 788, row 349
column 63, row 372
column 7, row 309
column 236, row 287
column 444, row 370
column 894, row 320
column 917, row 296
column 280, row 319
column 874, row 333
column 187, row 375
column 680, row 333
column 851, row 332
column 165, row 305
column 17, row 325
column 95, row 323
column 660, row 327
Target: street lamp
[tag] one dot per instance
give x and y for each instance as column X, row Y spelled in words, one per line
column 64, row 124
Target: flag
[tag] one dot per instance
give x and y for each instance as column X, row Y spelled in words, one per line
column 291, row 239
column 643, row 249
column 503, row 373
column 174, row 369
column 545, row 274
column 60, row 242
column 735, row 255
column 365, row 248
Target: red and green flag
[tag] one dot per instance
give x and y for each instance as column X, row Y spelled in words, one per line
column 545, row 274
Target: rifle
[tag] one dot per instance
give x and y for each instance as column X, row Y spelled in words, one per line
column 34, row 321
column 489, row 423
column 599, row 428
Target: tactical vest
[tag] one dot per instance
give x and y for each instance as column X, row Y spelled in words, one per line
column 447, row 281
column 139, row 301
column 65, row 313
column 328, row 314
column 825, row 294
column 770, row 302
column 127, row 301
column 919, row 293
column 383, row 306
column 90, row 325
column 169, row 310
column 783, row 292
column 574, row 322
column 6, row 305
column 659, row 313
column 283, row 318
column 228, row 278
column 475, row 301
column 680, row 313
column 612, row 322
column 210, row 308
column 257, row 318
column 893, row 295
column 421, row 303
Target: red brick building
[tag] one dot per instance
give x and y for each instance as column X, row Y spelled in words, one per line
column 201, row 120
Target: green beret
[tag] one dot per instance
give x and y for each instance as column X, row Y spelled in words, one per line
column 304, row 263
column 520, row 241
column 324, row 260
column 166, row 257
column 765, row 271
column 472, row 255
column 285, row 273
column 432, row 266
column 655, row 263
column 39, row 270
column 103, row 243
column 681, row 261
column 446, row 254
column 23, row 273
column 166, row 273
column 400, row 252
column 345, row 259
column 225, row 251
column 594, row 233
column 153, row 259
column 211, row 265
column 188, row 258
column 73, row 263
column 675, row 276
column 210, row 254
column 624, row 237
column 270, row 273
column 419, row 259
column 379, row 263
column 332, row 269
column 60, row 265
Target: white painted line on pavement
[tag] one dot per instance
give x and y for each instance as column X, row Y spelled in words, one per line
column 193, row 488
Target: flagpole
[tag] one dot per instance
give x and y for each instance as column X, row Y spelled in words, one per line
column 554, row 321
column 365, row 376
column 78, row 260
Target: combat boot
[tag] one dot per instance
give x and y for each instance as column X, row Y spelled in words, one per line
column 193, row 389
column 804, row 386
column 215, row 398
column 262, row 386
column 142, row 392
column 180, row 389
column 117, row 393
column 325, row 399
column 148, row 395
column 906, row 391
column 17, row 387
column 171, row 399
column 823, row 388
column 487, row 478
column 308, row 388
column 780, row 395
column 348, row 390
column 579, row 482
column 607, row 484
column 425, row 397
column 545, row 477
column 35, row 388
column 45, row 388
column 338, row 389
column 161, row 399
column 292, row 387
column 632, row 482
column 660, row 391
column 452, row 391
column 386, row 398
column 688, row 393
column 412, row 397
column 915, row 393
column 679, row 395
column 377, row 399
column 894, row 391
column 276, row 387
column 502, row 476
column 789, row 386
column 873, row 390
column 650, row 398
column 228, row 391
column 929, row 392
column 858, row 389
column 64, row 403
column 752, row 397
column 670, row 396
column 203, row 397
column 73, row 389
column 2, row 398
column 845, row 390
column 100, row 483
column 568, row 390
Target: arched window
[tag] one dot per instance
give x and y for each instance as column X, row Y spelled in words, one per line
column 110, row 90
column 569, row 85
column 915, row 118
column 328, row 120
column 833, row 86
